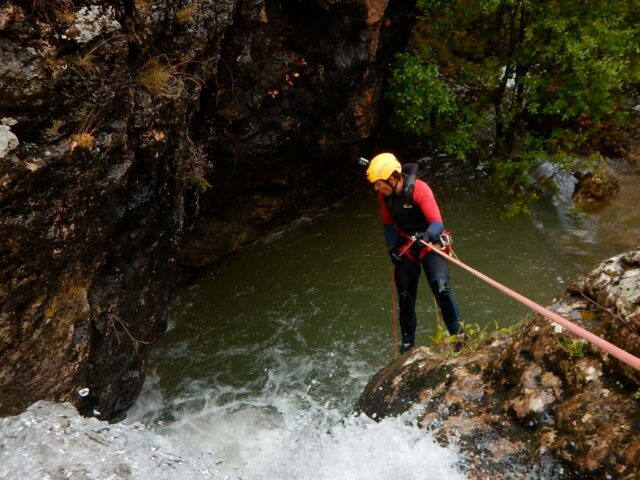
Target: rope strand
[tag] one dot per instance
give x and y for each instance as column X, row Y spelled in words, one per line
column 394, row 321
column 599, row 342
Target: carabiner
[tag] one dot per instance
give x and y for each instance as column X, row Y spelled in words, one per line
column 445, row 239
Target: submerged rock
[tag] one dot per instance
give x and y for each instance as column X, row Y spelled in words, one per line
column 538, row 403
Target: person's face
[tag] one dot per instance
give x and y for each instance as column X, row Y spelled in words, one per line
column 387, row 187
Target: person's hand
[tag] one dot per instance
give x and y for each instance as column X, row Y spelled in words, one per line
column 395, row 254
column 423, row 237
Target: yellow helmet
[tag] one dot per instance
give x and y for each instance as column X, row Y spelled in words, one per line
column 382, row 167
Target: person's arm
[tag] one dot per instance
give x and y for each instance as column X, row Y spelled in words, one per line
column 390, row 235
column 423, row 197
column 388, row 224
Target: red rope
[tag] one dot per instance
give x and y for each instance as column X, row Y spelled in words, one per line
column 599, row 342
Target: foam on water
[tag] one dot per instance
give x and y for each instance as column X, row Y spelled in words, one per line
column 52, row 441
column 245, row 440
column 290, row 433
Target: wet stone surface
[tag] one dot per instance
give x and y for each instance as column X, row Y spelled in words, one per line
column 538, row 402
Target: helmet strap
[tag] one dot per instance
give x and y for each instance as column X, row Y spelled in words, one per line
column 393, row 187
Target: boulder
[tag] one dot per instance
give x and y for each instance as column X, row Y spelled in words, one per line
column 536, row 403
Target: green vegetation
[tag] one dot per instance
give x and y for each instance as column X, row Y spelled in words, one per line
column 508, row 81
column 199, row 184
column 444, row 343
column 574, row 347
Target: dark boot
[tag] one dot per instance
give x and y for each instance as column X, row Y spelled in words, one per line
column 406, row 347
column 461, row 341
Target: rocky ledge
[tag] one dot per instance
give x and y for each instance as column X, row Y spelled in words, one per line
column 537, row 402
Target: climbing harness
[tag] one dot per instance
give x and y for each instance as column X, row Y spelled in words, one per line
column 599, row 342
column 445, row 239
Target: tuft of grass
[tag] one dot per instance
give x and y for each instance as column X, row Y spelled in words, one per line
column 82, row 140
column 162, row 78
column 86, row 61
column 66, row 16
column 84, row 137
column 158, row 77
column 185, row 14
column 52, row 10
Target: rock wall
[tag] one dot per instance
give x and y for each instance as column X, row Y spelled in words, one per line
column 537, row 403
column 138, row 138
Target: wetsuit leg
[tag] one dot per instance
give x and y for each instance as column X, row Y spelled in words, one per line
column 407, row 274
column 437, row 271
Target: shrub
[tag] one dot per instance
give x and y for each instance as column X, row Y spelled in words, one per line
column 503, row 80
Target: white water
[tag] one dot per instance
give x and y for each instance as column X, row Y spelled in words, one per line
column 51, row 441
column 258, row 439
column 288, row 429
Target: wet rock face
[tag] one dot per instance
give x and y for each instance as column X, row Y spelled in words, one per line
column 138, row 138
column 537, row 403
column 587, row 187
column 595, row 189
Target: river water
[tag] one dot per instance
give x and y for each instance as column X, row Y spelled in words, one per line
column 265, row 356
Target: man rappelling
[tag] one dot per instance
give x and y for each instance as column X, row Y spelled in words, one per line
column 411, row 218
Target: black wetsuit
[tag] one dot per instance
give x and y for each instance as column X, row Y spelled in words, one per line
column 413, row 211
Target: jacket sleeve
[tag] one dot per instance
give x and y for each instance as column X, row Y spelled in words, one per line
column 424, row 198
column 390, row 232
column 387, row 219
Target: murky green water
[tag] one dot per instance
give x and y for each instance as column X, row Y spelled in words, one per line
column 283, row 337
column 324, row 283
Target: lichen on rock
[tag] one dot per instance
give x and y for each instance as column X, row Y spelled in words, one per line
column 91, row 22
